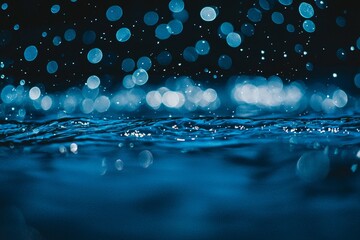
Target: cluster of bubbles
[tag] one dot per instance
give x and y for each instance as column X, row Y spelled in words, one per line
column 182, row 94
column 248, row 94
column 267, row 93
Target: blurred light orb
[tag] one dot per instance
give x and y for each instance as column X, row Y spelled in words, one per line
column 208, row 14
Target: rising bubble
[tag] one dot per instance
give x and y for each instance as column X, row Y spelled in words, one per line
column 94, row 55
column 208, row 14
column 114, row 13
column 30, row 53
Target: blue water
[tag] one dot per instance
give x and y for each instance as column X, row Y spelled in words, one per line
column 180, row 178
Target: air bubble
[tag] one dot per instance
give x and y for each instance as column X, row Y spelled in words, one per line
column 202, row 47
column 95, row 55
column 30, row 53
column 277, row 18
column 55, row 8
column 128, row 65
column 140, row 76
column 70, row 35
column 52, row 67
column 151, row 18
column 208, row 14
column 93, row 82
column 309, row 26
column 123, row 34
column 254, row 15
column 114, row 13
column 233, row 39
column 176, row 6
column 306, row 10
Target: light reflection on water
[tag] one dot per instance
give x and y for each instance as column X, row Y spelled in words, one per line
column 180, row 178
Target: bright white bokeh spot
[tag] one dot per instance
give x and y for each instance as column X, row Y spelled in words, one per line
column 144, row 63
column 309, row 26
column 52, row 67
column 277, row 17
column 95, row 55
column 306, row 10
column 93, row 82
column 208, row 14
column 114, row 13
column 340, row 98
column 46, row 103
column 175, row 27
column 55, row 8
column 202, row 47
column 30, row 53
column 225, row 62
column 170, row 99
column 140, row 76
column 70, row 35
column 233, row 39
column 176, row 6
column 153, row 99
column 128, row 65
column 162, row 31
column 123, row 34
column 151, row 18
column 34, row 93
column 254, row 15
column 73, row 148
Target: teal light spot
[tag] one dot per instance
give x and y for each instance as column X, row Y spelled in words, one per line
column 30, row 53
column 123, row 34
column 52, row 67
column 309, row 26
column 306, row 10
column 151, row 18
column 114, row 13
column 95, row 55
column 55, row 8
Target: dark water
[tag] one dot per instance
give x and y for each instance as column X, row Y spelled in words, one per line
column 180, row 178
